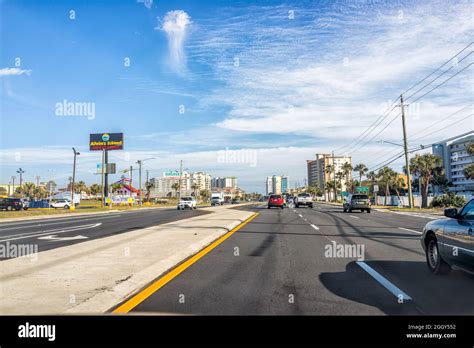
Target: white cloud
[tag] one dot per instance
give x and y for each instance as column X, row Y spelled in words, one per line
column 147, row 3
column 175, row 25
column 14, row 71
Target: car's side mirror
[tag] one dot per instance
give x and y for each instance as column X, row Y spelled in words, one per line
column 451, row 213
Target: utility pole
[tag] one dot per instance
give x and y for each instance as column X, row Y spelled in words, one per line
column 131, row 177
column 139, row 162
column 37, row 184
column 13, row 180
column 180, row 176
column 405, row 147
column 334, row 176
column 72, row 207
column 102, row 196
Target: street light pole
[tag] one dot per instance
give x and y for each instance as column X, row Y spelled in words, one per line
column 139, row 162
column 405, row 148
column 21, row 171
column 73, row 178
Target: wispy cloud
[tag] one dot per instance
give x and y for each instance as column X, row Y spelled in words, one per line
column 175, row 25
column 14, row 71
column 147, row 3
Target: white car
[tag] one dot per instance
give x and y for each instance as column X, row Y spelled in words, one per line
column 187, row 202
column 62, row 203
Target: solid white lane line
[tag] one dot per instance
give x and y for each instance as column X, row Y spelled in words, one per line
column 300, row 215
column 384, row 281
column 355, row 217
column 315, row 227
column 407, row 229
column 45, row 233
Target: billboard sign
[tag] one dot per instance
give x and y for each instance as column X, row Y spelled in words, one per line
column 110, row 168
column 362, row 189
column 106, row 141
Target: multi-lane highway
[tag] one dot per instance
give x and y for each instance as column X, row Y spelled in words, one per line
column 280, row 263
column 46, row 234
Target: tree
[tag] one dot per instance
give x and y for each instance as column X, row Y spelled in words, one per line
column 362, row 169
column 347, row 170
column 373, row 177
column 26, row 189
column 175, row 187
column 314, row 191
column 339, row 176
column 424, row 166
column 469, row 170
column 3, row 191
column 388, row 177
column 329, row 169
column 195, row 187
column 148, row 186
column 205, row 194
column 94, row 189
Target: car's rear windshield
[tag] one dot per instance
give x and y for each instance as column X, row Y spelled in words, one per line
column 303, row 195
column 275, row 197
column 360, row 197
column 186, row 199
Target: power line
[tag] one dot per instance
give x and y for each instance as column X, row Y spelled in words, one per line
column 450, row 125
column 442, row 83
column 416, row 84
column 437, row 77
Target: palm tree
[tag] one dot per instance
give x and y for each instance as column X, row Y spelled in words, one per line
column 175, row 187
column 347, row 170
column 94, row 189
column 424, row 167
column 469, row 170
column 388, row 177
column 205, row 194
column 339, row 176
column 148, row 186
column 361, row 168
column 329, row 169
column 195, row 187
column 27, row 189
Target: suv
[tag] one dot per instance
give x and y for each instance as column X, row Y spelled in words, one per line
column 187, row 202
column 356, row 202
column 61, row 203
column 276, row 201
column 303, row 199
column 12, row 204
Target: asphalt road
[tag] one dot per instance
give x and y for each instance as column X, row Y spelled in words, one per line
column 46, row 234
column 277, row 264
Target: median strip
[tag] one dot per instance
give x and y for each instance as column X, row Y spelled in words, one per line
column 158, row 284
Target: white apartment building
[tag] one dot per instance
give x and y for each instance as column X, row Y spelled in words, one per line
column 223, row 182
column 455, row 159
column 277, row 184
column 317, row 175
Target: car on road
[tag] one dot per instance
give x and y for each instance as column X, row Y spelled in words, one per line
column 276, row 201
column 449, row 242
column 303, row 199
column 235, row 201
column 187, row 202
column 61, row 203
column 357, row 202
column 217, row 198
column 13, row 204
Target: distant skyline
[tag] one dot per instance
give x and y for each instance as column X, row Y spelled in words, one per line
column 232, row 88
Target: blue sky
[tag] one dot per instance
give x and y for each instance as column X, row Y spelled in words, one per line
column 283, row 79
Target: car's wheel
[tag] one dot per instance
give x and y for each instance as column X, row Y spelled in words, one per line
column 350, row 210
column 9, row 208
column 25, row 208
column 268, row 207
column 66, row 207
column 368, row 211
column 282, row 207
column 311, row 206
column 297, row 205
column 433, row 258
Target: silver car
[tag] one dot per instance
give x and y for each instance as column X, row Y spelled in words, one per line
column 449, row 243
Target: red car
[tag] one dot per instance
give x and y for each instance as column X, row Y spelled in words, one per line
column 276, row 201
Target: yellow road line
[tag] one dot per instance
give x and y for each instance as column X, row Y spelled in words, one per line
column 148, row 291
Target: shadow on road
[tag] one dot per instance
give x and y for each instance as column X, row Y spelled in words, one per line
column 431, row 294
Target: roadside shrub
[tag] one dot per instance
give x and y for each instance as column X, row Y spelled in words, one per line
column 448, row 200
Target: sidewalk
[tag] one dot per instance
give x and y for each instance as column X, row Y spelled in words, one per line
column 93, row 276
